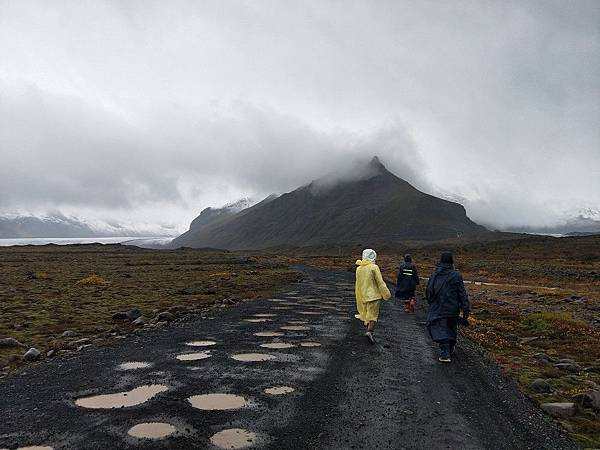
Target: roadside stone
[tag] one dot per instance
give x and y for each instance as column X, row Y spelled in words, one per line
column 165, row 316
column 583, row 400
column 133, row 314
column 51, row 353
column 68, row 334
column 178, row 309
column 527, row 340
column 82, row 341
column 10, row 343
column 161, row 324
column 82, row 347
column 566, row 361
column 142, row 320
column 566, row 409
column 595, row 398
column 119, row 316
column 568, row 367
column 32, row 354
column 540, row 386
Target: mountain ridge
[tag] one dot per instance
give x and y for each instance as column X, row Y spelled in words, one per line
column 377, row 206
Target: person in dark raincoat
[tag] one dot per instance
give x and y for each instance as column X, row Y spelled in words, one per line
column 447, row 297
column 406, row 284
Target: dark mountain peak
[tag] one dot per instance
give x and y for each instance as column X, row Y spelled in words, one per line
column 376, row 164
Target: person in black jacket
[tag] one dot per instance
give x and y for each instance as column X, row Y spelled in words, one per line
column 407, row 282
column 446, row 296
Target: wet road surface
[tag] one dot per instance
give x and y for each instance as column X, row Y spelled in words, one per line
column 291, row 372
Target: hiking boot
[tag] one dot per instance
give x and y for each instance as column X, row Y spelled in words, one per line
column 444, row 359
column 444, row 353
column 369, row 335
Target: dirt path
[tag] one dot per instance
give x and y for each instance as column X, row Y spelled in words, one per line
column 347, row 393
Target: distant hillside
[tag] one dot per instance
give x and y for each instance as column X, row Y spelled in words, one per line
column 377, row 207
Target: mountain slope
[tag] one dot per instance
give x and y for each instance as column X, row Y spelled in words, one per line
column 379, row 207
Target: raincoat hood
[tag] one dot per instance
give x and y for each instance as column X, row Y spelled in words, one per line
column 368, row 256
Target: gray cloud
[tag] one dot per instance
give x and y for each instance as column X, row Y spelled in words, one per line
column 150, row 112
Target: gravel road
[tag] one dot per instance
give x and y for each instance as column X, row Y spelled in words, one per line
column 346, row 392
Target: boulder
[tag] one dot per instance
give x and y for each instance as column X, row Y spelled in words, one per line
column 68, row 334
column 539, row 386
column 165, row 316
column 10, row 342
column 133, row 314
column 566, row 409
column 32, row 354
column 527, row 340
column 142, row 320
column 568, row 367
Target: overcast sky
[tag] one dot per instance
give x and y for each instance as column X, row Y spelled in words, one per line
column 149, row 111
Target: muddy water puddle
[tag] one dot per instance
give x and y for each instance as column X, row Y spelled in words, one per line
column 297, row 322
column 134, row 365
column 310, row 344
column 265, row 315
column 279, row 390
column 152, row 430
column 253, row 357
column 218, row 402
column 126, row 399
column 311, row 313
column 295, row 328
column 257, row 320
column 194, row 356
column 277, row 345
column 269, row 334
column 281, row 307
column 233, row 438
column 201, row 343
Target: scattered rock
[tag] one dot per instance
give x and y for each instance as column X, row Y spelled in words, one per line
column 178, row 309
column 566, row 361
column 119, row 316
column 133, row 314
column 140, row 321
column 82, row 341
column 186, row 291
column 82, row 347
column 540, row 386
column 10, row 342
column 68, row 334
column 32, row 354
column 583, row 400
column 567, row 409
column 595, row 398
column 568, row 367
column 161, row 324
column 51, row 353
column 526, row 340
column 165, row 316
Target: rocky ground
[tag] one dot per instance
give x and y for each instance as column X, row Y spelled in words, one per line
column 346, row 392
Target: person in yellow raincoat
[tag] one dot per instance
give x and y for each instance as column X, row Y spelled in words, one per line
column 370, row 289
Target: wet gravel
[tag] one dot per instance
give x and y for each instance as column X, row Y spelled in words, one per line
column 347, row 393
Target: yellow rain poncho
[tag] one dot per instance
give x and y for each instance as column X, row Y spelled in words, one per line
column 370, row 287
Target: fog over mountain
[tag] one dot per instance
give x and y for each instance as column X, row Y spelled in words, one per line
column 147, row 113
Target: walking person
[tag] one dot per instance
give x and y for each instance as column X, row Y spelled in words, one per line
column 447, row 297
column 370, row 289
column 406, row 284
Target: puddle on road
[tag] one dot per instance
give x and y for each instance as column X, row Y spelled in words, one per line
column 281, row 307
column 233, row 438
column 290, row 304
column 294, row 328
column 218, row 402
column 133, row 365
column 152, row 430
column 310, row 344
column 297, row 322
column 126, row 399
column 276, row 345
column 194, row 356
column 265, row 315
column 276, row 300
column 253, row 357
column 279, row 390
column 269, row 334
column 257, row 320
column 34, row 447
column 311, row 313
column 201, row 343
